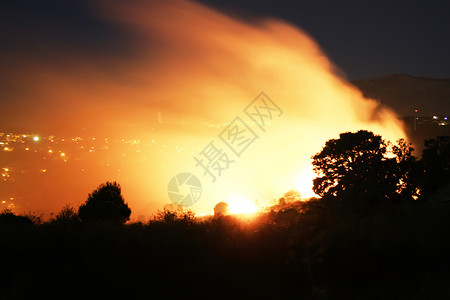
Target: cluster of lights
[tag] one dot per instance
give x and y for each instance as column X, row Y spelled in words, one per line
column 38, row 143
column 437, row 118
column 5, row 173
column 8, row 205
column 442, row 122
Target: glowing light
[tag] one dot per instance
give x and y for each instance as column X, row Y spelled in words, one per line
column 50, row 151
column 240, row 205
column 303, row 183
column 36, row 138
column 63, row 154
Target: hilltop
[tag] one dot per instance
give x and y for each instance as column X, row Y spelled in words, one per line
column 404, row 93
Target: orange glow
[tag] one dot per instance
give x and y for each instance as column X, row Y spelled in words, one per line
column 240, row 205
column 192, row 71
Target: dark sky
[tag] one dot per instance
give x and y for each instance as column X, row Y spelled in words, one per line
column 364, row 38
column 369, row 38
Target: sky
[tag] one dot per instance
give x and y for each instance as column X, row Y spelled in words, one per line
column 369, row 38
column 365, row 39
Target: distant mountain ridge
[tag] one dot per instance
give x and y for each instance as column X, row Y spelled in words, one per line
column 404, row 93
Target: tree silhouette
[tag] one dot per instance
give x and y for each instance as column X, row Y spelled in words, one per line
column 66, row 217
column 174, row 213
column 8, row 218
column 436, row 165
column 363, row 166
column 105, row 204
column 221, row 209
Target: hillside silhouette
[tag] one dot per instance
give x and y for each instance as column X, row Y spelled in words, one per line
column 367, row 237
column 404, row 93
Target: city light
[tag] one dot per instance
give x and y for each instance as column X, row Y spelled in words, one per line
column 36, row 138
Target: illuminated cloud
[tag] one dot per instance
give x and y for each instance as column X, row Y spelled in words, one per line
column 189, row 62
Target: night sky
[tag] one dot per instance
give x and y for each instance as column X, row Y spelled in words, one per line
column 364, row 38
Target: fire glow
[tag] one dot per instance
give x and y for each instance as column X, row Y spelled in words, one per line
column 195, row 66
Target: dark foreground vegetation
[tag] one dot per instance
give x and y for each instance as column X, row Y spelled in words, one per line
column 345, row 245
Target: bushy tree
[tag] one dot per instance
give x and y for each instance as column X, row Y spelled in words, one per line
column 363, row 166
column 105, row 204
column 436, row 165
column 174, row 213
column 221, row 209
column 67, row 216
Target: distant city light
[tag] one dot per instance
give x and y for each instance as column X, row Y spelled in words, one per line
column 63, row 154
column 36, row 138
column 415, row 110
column 435, row 117
column 445, row 118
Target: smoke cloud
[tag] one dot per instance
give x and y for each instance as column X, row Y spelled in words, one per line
column 190, row 64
